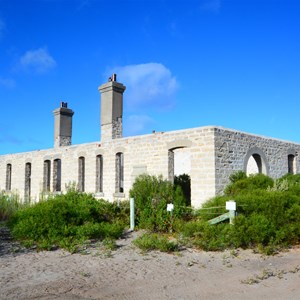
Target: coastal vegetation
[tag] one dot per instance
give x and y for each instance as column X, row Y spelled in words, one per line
column 67, row 221
column 267, row 220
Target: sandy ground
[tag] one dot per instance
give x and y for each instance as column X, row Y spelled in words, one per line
column 127, row 273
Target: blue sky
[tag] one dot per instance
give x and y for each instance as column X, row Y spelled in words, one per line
column 185, row 63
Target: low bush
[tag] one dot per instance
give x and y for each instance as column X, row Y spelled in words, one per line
column 155, row 241
column 243, row 184
column 290, row 182
column 66, row 221
column 236, row 176
column 268, row 218
column 213, row 208
column 9, row 204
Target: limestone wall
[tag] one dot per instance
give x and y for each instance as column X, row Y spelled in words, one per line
column 142, row 154
column 233, row 149
column 214, row 154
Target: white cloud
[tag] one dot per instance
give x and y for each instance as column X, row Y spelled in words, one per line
column 149, row 85
column 7, row 82
column 38, row 61
column 136, row 124
column 211, row 6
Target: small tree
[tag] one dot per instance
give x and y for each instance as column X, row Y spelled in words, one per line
column 152, row 194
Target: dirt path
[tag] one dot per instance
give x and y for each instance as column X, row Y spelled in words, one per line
column 127, row 273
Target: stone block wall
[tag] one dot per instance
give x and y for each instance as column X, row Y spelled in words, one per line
column 142, row 154
column 214, row 153
column 233, row 149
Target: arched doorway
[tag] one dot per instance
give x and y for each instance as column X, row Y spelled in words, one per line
column 179, row 166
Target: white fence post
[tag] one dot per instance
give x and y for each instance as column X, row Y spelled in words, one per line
column 132, row 214
column 231, row 206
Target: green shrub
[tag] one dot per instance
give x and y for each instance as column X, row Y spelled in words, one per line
column 66, row 221
column 292, row 178
column 9, row 204
column 152, row 194
column 253, row 182
column 236, row 176
column 279, row 185
column 288, row 182
column 109, row 243
column 213, row 208
column 154, row 241
column 268, row 218
column 208, row 237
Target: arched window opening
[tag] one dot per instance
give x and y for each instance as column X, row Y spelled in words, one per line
column 47, row 176
column 27, row 181
column 291, row 164
column 99, row 174
column 81, row 173
column 119, row 172
column 8, row 177
column 57, row 175
column 254, row 164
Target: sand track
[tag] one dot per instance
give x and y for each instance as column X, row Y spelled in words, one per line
column 127, row 273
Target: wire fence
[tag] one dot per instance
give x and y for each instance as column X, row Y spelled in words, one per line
column 205, row 211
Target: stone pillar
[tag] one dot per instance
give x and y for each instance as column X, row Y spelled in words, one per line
column 111, row 109
column 63, row 125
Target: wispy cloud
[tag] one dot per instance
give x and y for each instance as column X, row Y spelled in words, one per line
column 136, row 124
column 7, row 83
column 37, row 61
column 149, row 85
column 213, row 6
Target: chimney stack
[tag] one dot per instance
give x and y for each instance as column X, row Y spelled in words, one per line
column 63, row 125
column 111, row 109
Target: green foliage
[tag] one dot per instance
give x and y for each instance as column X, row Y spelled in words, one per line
column 9, row 204
column 184, row 181
column 154, row 241
column 272, row 218
column 208, row 237
column 279, row 185
column 152, row 194
column 288, row 182
column 236, row 176
column 268, row 218
column 213, row 208
column 109, row 243
column 66, row 221
column 244, row 185
column 292, row 179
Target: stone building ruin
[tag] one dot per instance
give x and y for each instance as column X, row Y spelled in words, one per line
column 108, row 168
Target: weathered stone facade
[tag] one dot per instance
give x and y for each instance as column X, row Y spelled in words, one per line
column 109, row 167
